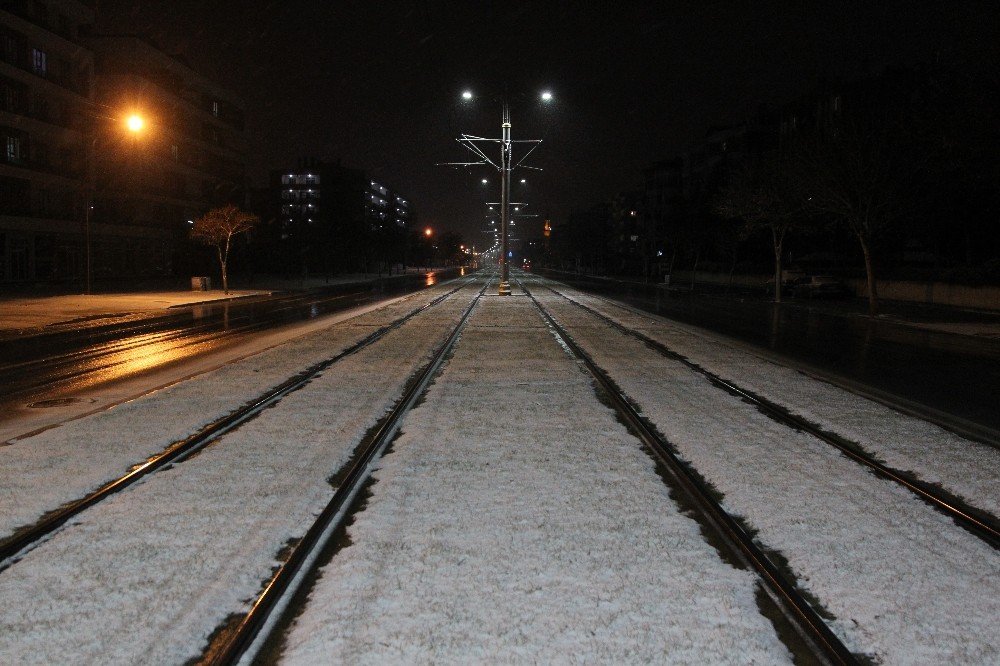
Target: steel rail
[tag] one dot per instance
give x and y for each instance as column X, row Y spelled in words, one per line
column 974, row 520
column 254, row 627
column 28, row 536
column 827, row 647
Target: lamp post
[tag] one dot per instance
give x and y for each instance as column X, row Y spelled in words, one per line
column 135, row 124
column 88, row 204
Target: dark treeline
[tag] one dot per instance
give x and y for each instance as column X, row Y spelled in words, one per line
column 890, row 177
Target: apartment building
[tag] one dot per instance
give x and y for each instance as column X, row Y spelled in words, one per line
column 109, row 147
column 46, row 74
column 332, row 217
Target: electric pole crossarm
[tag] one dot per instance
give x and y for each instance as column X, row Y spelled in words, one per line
column 476, row 150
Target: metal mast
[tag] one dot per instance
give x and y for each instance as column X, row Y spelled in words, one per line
column 505, row 158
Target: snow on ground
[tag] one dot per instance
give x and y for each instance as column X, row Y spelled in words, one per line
column 42, row 472
column 966, row 468
column 904, row 582
column 25, row 313
column 147, row 575
column 516, row 521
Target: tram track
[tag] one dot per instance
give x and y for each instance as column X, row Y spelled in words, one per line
column 807, row 623
column 240, row 639
column 27, row 537
column 970, row 518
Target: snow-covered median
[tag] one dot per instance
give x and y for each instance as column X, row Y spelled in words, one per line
column 966, row 468
column 904, row 582
column 516, row 521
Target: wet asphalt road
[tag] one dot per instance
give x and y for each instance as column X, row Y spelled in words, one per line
column 52, row 365
column 955, row 374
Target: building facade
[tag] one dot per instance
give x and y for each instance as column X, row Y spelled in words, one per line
column 46, row 75
column 78, row 188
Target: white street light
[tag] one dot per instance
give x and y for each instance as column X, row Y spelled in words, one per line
column 546, row 96
column 467, row 94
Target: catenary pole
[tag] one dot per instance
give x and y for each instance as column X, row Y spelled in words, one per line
column 505, row 155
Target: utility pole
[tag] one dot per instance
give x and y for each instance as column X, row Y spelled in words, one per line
column 504, row 199
column 505, row 167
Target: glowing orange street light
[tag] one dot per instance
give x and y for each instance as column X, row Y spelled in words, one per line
column 428, row 232
column 135, row 123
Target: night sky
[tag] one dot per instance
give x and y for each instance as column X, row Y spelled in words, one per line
column 378, row 84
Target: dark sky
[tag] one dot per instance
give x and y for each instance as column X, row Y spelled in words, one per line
column 377, row 84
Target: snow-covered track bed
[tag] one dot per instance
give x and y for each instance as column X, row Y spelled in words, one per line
column 516, row 520
column 797, row 610
column 24, row 537
column 248, row 634
column 150, row 574
column 965, row 514
column 895, row 579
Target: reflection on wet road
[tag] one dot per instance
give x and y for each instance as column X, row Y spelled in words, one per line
column 955, row 374
column 46, row 366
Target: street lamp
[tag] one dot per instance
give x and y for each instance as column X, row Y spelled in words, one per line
column 135, row 123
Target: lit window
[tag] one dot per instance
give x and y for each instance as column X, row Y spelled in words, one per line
column 39, row 62
column 13, row 152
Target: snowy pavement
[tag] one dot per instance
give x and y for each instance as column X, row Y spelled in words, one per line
column 517, row 521
column 36, row 313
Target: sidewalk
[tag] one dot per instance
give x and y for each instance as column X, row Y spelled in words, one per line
column 30, row 313
column 22, row 314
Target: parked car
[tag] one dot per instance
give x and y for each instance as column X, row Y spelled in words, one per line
column 789, row 278
column 821, row 286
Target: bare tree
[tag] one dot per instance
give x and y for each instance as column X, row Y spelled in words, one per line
column 218, row 227
column 859, row 174
column 762, row 194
